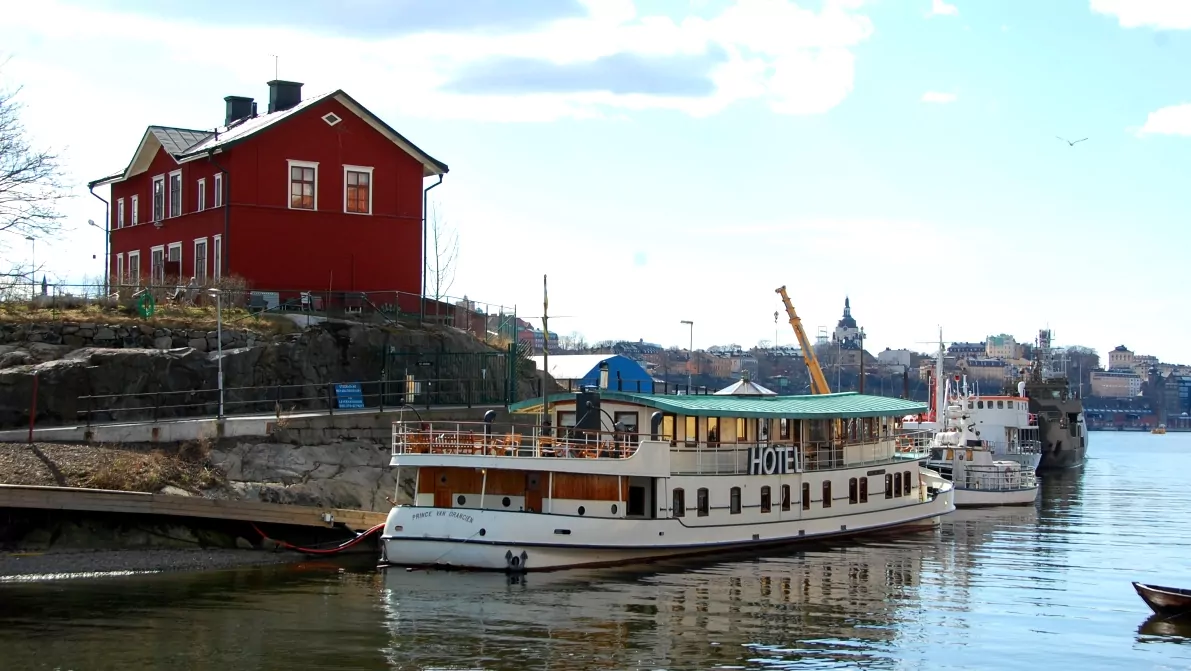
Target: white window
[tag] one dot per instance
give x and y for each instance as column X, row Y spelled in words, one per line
column 357, row 189
column 157, row 265
column 159, row 198
column 120, row 269
column 136, row 210
column 202, row 195
column 303, row 185
column 173, row 259
column 134, row 268
column 217, row 257
column 119, row 213
column 219, row 189
column 176, row 193
column 200, row 260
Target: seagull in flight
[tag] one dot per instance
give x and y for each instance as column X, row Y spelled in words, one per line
column 1069, row 142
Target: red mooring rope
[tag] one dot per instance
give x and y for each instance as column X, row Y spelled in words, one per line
column 325, row 551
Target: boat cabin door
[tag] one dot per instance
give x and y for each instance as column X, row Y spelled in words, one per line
column 442, row 491
column 533, row 492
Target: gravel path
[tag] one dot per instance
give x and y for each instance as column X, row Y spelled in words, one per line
column 82, row 564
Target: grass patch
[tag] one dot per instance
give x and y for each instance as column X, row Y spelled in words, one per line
column 188, row 468
column 166, row 316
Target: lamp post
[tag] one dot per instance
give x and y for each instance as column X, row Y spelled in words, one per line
column 107, row 262
column 690, row 354
column 219, row 341
column 32, row 265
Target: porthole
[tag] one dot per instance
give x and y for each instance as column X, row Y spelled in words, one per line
column 506, row 502
column 582, row 510
column 462, row 499
column 614, row 508
column 442, row 479
column 483, row 532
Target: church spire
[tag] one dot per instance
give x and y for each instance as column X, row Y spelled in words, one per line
column 847, row 307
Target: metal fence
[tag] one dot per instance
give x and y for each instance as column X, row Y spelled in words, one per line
column 490, row 322
column 285, row 399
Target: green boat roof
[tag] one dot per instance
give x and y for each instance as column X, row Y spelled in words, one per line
column 820, row 406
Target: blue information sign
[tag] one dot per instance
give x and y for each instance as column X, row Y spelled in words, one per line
column 349, row 395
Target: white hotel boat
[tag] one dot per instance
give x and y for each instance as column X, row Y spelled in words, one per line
column 711, row 474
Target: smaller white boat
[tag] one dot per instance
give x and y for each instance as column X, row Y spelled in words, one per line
column 978, row 477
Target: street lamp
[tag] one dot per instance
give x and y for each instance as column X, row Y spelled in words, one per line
column 219, row 341
column 107, row 262
column 690, row 354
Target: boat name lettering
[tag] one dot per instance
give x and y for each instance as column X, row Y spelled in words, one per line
column 418, row 516
column 771, row 459
column 879, row 471
column 465, row 518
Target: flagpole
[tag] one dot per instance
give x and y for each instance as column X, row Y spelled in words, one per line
column 545, row 353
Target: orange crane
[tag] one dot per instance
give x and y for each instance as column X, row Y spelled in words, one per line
column 818, row 381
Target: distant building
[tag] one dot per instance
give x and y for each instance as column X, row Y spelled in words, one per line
column 583, row 370
column 894, row 358
column 1002, row 347
column 1115, row 383
column 847, row 335
column 963, row 350
column 1120, row 358
column 993, row 371
column 533, row 338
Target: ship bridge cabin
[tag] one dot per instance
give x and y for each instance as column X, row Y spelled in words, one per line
column 707, row 459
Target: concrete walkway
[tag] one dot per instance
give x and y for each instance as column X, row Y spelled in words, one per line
column 309, row 428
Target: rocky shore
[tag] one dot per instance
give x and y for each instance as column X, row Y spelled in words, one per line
column 22, row 566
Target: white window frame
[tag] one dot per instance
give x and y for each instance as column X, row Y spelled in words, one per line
column 119, row 213
column 169, row 257
column 158, row 215
column 135, row 208
column 157, row 278
column 176, row 174
column 289, row 183
column 354, row 168
column 217, row 257
column 134, row 267
column 218, row 189
column 202, row 194
column 206, row 260
column 120, row 269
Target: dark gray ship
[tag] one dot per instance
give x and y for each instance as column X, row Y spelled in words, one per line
column 1062, row 429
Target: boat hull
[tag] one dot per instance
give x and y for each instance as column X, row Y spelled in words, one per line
column 984, row 498
column 1168, row 601
column 517, row 541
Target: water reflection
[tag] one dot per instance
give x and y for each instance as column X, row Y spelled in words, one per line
column 1163, row 629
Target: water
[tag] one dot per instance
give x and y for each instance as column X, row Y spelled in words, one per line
column 1044, row 588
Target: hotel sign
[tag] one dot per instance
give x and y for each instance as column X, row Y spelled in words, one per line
column 774, row 459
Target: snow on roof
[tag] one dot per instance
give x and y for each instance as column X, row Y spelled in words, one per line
column 572, row 366
column 745, row 388
column 238, row 131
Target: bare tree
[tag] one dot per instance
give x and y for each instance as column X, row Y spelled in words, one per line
column 31, row 181
column 444, row 252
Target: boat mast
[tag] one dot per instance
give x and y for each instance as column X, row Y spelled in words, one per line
column 545, row 354
column 940, row 396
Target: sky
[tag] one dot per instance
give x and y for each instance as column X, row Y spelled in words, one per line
column 669, row 160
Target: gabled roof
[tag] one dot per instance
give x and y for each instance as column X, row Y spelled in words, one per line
column 818, row 406
column 185, row 144
column 575, row 366
column 745, row 387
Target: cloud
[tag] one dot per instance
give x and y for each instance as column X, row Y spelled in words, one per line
column 1159, row 14
column 541, row 61
column 1173, row 120
column 938, row 98
column 623, row 73
column 943, row 8
column 364, row 18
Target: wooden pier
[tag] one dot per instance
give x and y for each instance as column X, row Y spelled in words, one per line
column 141, row 503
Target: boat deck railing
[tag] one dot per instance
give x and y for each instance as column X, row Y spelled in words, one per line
column 483, row 439
column 990, row 477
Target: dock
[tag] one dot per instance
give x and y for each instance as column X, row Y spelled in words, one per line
column 142, row 503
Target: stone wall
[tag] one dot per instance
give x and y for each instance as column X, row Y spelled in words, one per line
column 78, row 336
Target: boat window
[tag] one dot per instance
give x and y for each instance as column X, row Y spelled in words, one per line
column 819, row 429
column 678, row 508
column 742, row 427
column 853, row 491
column 703, row 504
column 1000, row 405
column 566, row 424
column 783, row 429
column 907, row 483
column 888, row 485
column 969, row 405
column 806, row 496
column 668, row 427
column 765, row 500
column 980, row 405
column 629, row 421
column 692, row 430
column 713, row 431
column 785, row 497
column 735, row 501
column 826, row 493
column 864, row 489
column 897, row 484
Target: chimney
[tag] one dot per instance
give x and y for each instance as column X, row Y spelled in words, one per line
column 237, row 108
column 283, row 95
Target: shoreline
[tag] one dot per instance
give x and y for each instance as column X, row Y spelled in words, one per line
column 17, row 567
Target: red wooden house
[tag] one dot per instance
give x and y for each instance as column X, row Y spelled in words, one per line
column 315, row 194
